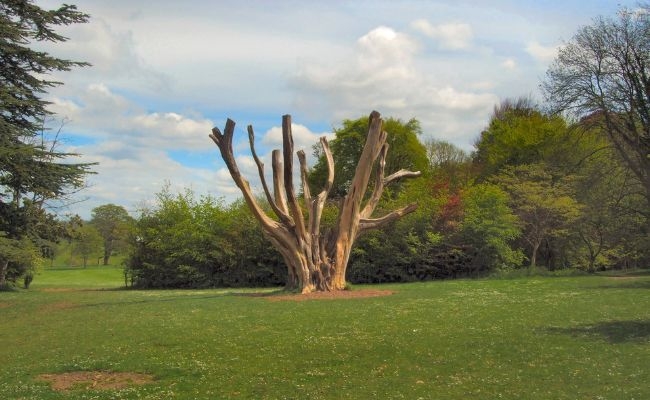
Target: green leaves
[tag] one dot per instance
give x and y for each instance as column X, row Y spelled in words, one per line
column 405, row 152
column 185, row 241
column 32, row 171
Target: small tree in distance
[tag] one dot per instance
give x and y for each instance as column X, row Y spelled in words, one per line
column 88, row 242
column 316, row 261
column 111, row 222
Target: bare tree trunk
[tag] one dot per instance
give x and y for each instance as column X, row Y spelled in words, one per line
column 533, row 256
column 4, row 267
column 315, row 261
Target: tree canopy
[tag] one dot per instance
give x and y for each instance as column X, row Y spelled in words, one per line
column 111, row 221
column 406, row 151
column 602, row 76
column 32, row 170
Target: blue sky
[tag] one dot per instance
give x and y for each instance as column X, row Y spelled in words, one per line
column 165, row 72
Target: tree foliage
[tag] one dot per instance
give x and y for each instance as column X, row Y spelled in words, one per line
column 519, row 133
column 32, row 171
column 188, row 242
column 544, row 203
column 602, row 75
column 406, row 151
column 112, row 223
column 87, row 243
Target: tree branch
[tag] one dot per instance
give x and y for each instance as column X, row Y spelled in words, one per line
column 224, row 142
column 303, row 176
column 366, row 223
column 316, row 205
column 402, row 173
column 284, row 217
column 278, row 183
column 287, row 150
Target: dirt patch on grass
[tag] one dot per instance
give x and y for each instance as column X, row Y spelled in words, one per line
column 6, row 305
column 61, row 305
column 339, row 294
column 58, row 290
column 94, row 380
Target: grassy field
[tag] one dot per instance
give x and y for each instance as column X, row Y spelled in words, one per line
column 530, row 338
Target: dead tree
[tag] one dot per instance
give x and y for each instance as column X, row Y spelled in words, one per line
column 315, row 261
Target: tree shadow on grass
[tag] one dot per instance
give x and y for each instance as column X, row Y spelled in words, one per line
column 614, row 332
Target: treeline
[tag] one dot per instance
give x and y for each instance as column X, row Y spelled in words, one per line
column 536, row 192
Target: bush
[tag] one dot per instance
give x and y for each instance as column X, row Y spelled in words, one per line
column 190, row 243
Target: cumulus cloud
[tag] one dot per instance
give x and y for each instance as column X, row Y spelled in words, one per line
column 303, row 138
column 385, row 75
column 102, row 113
column 544, row 54
column 130, row 175
column 113, row 56
column 453, row 36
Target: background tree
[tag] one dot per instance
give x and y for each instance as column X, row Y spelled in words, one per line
column 544, row 203
column 611, row 223
column 111, row 221
column 187, row 241
column 406, row 151
column 446, row 159
column 602, row 75
column 31, row 170
column 490, row 226
column 520, row 133
column 87, row 242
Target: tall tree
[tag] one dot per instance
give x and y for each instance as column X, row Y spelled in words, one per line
column 406, row 151
column 490, row 226
column 603, row 75
column 32, row 171
column 544, row 203
column 111, row 221
column 519, row 133
column 315, row 260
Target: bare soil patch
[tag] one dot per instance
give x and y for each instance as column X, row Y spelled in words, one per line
column 335, row 295
column 61, row 305
column 95, row 380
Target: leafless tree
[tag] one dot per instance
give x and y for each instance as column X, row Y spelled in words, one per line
column 316, row 260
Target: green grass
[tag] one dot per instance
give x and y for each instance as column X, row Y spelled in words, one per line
column 95, row 277
column 585, row 337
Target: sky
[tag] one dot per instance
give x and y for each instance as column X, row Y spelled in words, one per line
column 165, row 73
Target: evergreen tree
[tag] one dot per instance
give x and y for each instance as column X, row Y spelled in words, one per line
column 32, row 171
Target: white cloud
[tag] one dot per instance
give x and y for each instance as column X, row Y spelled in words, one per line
column 102, row 113
column 113, row 56
column 129, row 175
column 544, row 54
column 385, row 76
column 509, row 63
column 303, row 138
column 454, row 36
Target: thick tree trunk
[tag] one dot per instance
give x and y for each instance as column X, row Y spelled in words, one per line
column 315, row 261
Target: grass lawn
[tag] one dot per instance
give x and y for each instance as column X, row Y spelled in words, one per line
column 531, row 338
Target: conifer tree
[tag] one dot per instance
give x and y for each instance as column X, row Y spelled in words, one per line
column 32, row 170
